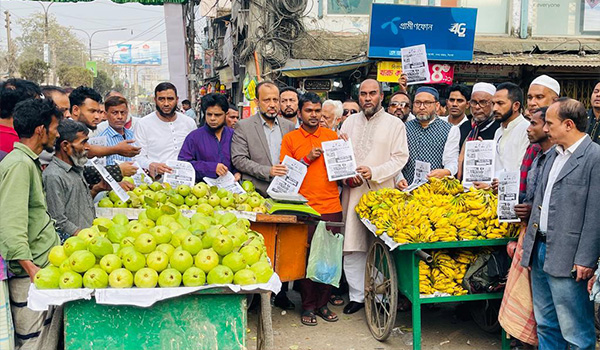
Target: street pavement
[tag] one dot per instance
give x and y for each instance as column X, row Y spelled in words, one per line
column 442, row 329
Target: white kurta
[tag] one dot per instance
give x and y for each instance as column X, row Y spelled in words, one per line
column 379, row 143
column 511, row 145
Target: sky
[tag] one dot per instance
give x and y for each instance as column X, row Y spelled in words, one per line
column 142, row 23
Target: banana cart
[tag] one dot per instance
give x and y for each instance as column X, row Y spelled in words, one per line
column 382, row 283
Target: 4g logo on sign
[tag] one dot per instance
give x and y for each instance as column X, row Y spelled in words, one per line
column 459, row 29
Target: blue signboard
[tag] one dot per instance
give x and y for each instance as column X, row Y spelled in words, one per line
column 447, row 32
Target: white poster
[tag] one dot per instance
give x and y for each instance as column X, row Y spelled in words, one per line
column 140, row 176
column 183, row 174
column 479, row 162
column 290, row 182
column 508, row 196
column 422, row 169
column 339, row 159
column 414, row 64
column 123, row 196
column 227, row 182
column 98, row 141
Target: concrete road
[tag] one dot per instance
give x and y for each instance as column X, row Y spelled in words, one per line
column 442, row 330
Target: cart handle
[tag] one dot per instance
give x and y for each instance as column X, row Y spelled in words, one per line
column 423, row 256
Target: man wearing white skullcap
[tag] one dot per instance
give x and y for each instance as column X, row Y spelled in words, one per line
column 482, row 124
column 543, row 91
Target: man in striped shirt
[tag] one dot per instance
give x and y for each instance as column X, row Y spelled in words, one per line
column 117, row 110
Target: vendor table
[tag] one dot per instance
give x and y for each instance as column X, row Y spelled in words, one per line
column 211, row 319
column 286, row 240
column 389, row 271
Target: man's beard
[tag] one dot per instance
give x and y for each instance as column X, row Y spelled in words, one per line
column 425, row 118
column 269, row 116
column 399, row 113
column 79, row 159
column 217, row 128
column 289, row 115
column 48, row 148
column 166, row 115
column 369, row 112
column 504, row 116
column 482, row 119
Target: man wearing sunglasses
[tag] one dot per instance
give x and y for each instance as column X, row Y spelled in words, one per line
column 349, row 107
column 400, row 106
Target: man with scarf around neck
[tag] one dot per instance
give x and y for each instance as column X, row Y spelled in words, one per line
column 483, row 125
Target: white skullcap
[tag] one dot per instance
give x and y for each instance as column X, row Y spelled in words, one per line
column 484, row 87
column 548, row 82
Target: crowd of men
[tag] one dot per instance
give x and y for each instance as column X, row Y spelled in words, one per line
column 48, row 187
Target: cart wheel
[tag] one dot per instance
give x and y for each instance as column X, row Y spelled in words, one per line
column 381, row 291
column 485, row 314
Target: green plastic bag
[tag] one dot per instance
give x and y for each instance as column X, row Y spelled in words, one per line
column 325, row 257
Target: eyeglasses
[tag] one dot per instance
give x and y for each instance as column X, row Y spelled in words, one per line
column 350, row 111
column 398, row 104
column 481, row 104
column 427, row 104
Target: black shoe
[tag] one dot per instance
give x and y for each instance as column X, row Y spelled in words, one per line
column 353, row 307
column 282, row 302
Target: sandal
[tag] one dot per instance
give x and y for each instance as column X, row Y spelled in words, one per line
column 336, row 300
column 308, row 318
column 326, row 314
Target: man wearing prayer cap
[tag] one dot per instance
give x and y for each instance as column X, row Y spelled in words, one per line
column 430, row 139
column 482, row 123
column 542, row 92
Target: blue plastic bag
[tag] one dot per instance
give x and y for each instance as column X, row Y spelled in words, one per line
column 325, row 257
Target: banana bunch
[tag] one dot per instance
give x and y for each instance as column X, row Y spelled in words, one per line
column 436, row 211
column 446, row 272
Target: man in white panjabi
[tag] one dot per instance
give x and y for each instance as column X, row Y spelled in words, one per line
column 381, row 151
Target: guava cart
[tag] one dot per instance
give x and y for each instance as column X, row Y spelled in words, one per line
column 382, row 282
column 210, row 319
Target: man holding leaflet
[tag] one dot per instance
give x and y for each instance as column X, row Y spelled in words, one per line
column 304, row 145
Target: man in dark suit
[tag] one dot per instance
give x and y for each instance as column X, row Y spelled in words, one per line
column 562, row 244
column 255, row 148
column 257, row 140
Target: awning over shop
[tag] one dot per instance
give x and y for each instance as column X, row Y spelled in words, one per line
column 295, row 68
column 539, row 60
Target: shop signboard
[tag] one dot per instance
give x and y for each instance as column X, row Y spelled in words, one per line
column 448, row 32
column 390, row 71
column 135, row 52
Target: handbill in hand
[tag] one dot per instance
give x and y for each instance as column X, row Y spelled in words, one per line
column 508, row 196
column 414, row 64
column 290, row 182
column 123, row 196
column 479, row 162
column 227, row 182
column 183, row 173
column 422, row 169
column 339, row 159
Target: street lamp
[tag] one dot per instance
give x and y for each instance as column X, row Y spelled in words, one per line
column 90, row 36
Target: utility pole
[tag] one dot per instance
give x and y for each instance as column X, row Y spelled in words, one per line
column 46, row 44
column 10, row 58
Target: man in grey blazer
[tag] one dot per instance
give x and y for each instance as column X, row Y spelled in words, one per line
column 256, row 141
column 562, row 243
column 255, row 150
